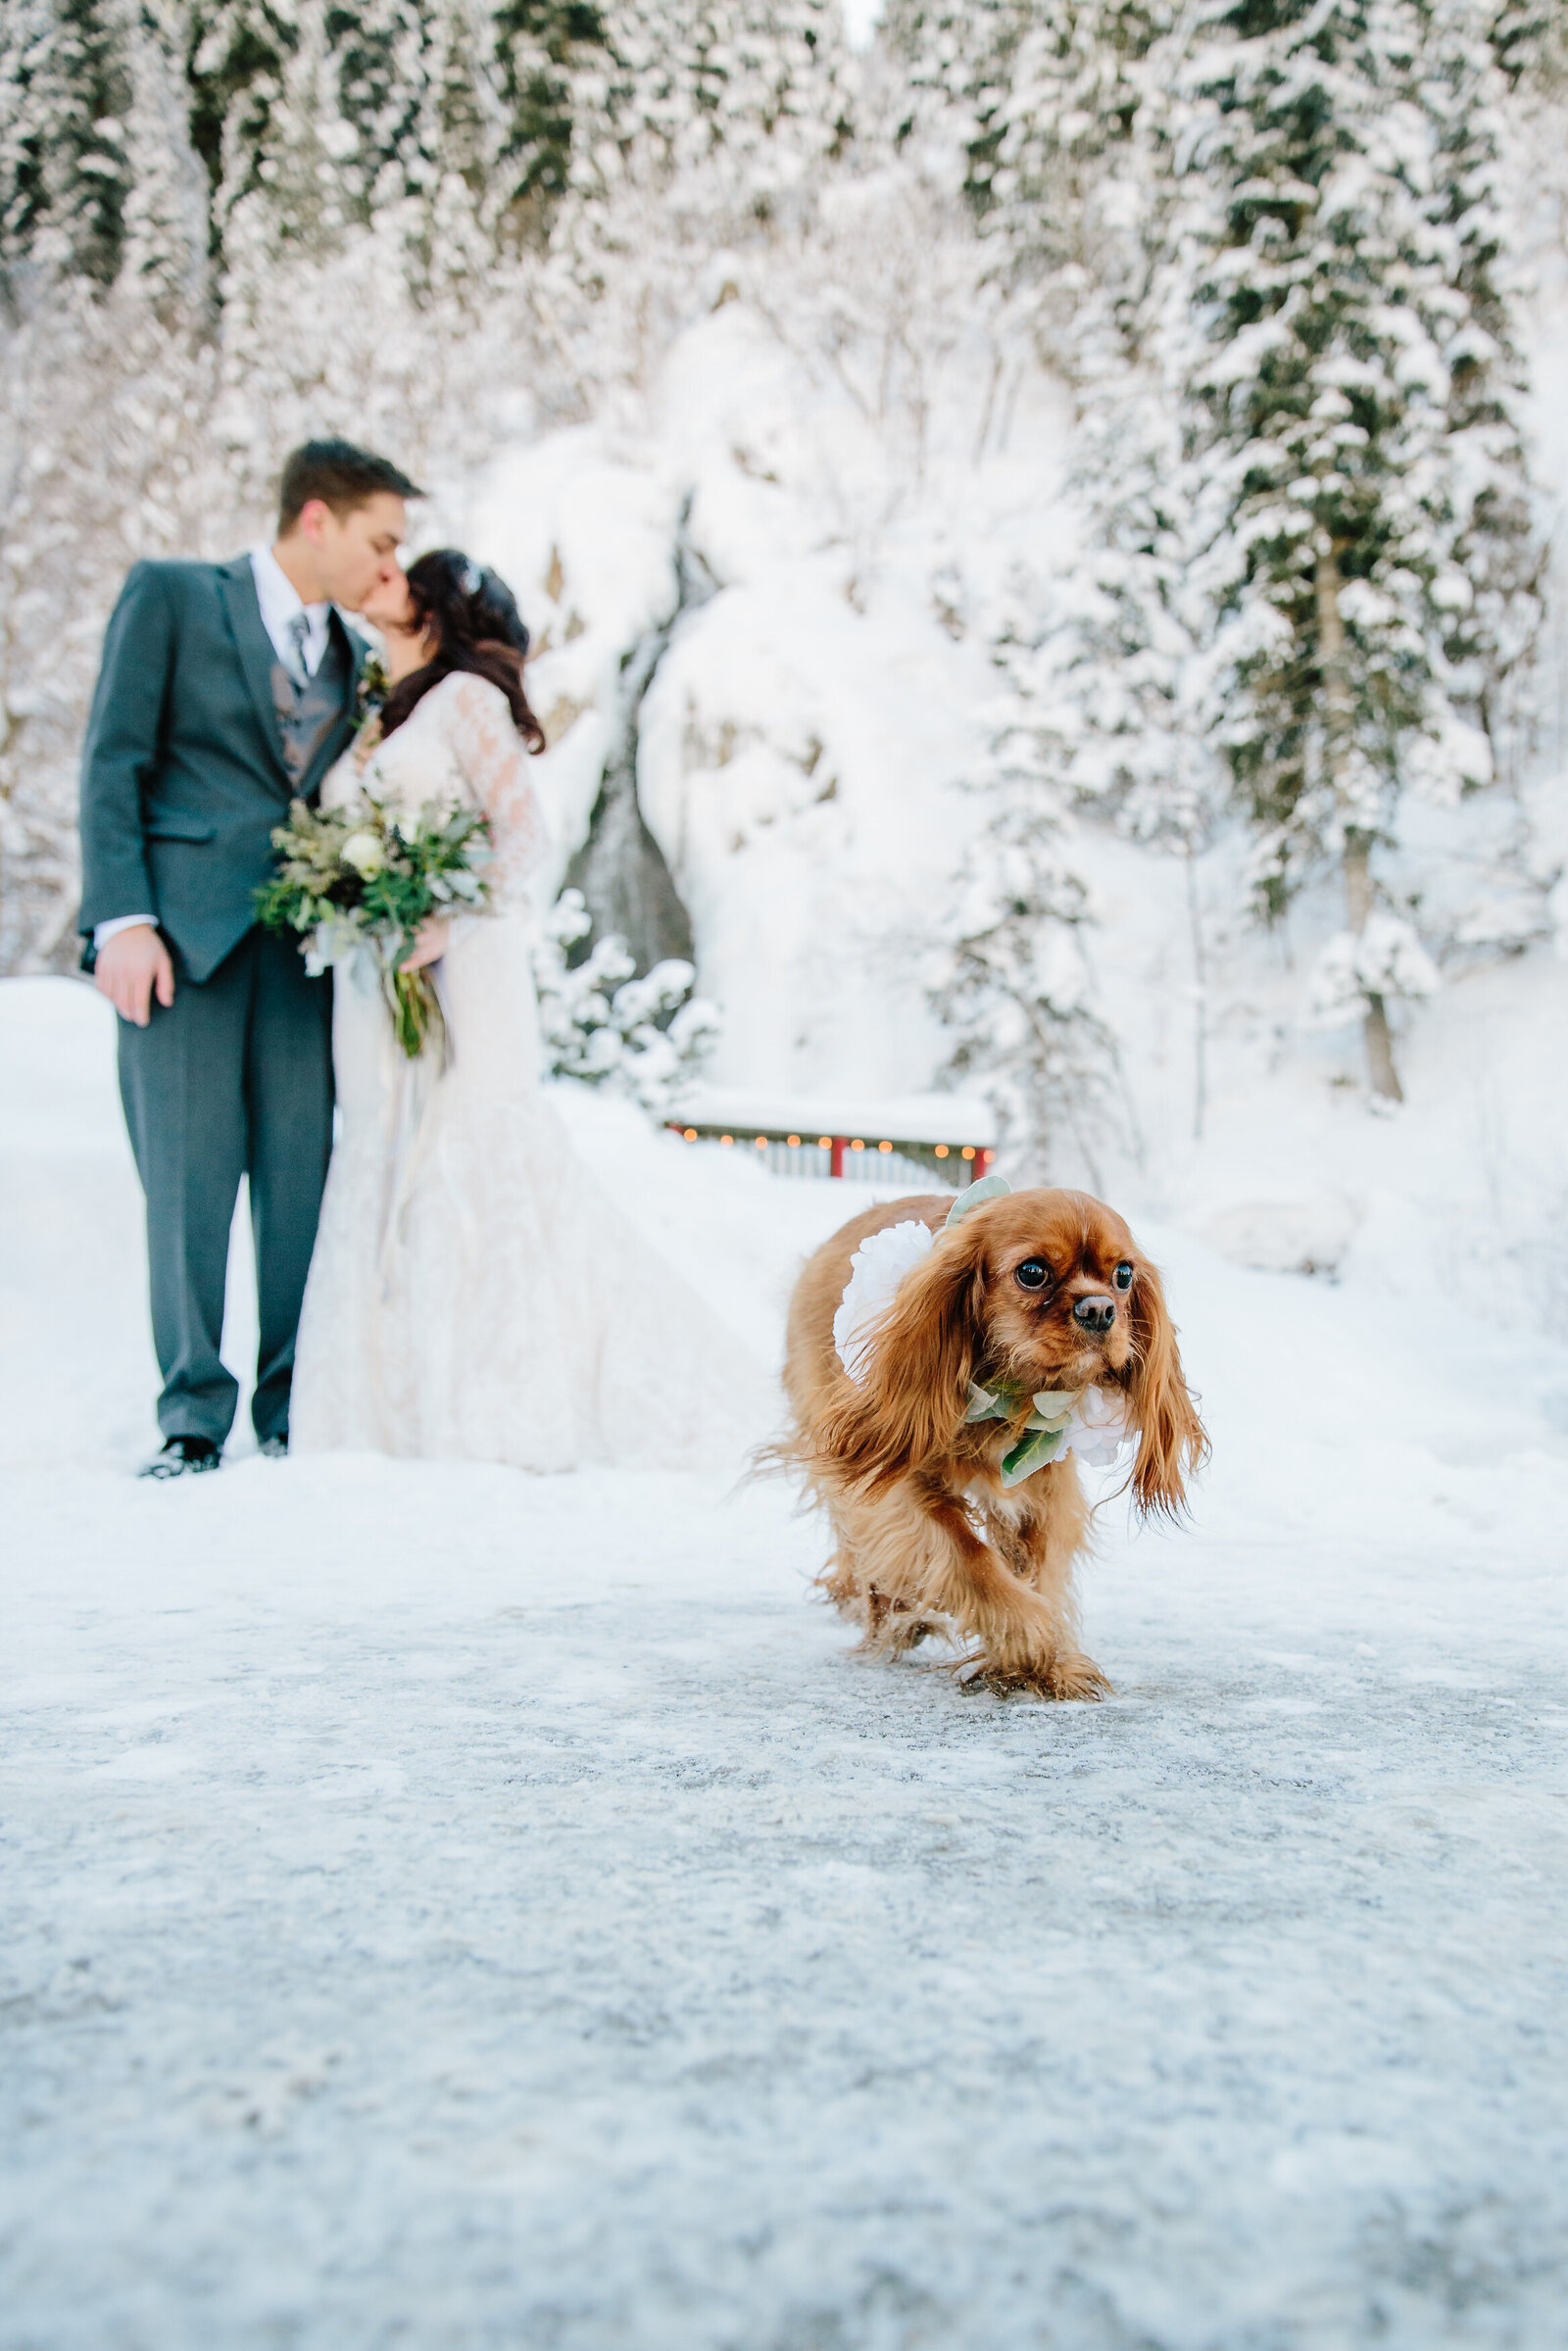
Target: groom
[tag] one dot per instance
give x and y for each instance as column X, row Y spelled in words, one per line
column 226, row 690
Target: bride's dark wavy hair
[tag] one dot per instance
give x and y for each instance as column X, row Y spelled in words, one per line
column 477, row 627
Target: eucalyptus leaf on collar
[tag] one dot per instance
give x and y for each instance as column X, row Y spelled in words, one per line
column 1063, row 1420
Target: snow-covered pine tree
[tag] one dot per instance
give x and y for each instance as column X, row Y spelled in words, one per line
column 552, row 72
column 1527, row 37
column 712, row 124
column 1113, row 665
column 381, row 65
column 165, row 257
column 443, row 169
column 65, row 173
column 97, row 174
column 363, row 289
column 1489, row 640
column 709, row 139
column 338, row 116
column 1014, row 985
column 1069, row 195
column 646, row 1038
column 956, row 67
column 104, row 389
column 106, row 455
column 1356, row 370
column 763, row 82
column 1042, row 98
column 291, row 215
column 1031, row 108
column 1060, row 175
column 236, row 55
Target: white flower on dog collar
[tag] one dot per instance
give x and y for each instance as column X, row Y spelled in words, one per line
column 876, row 1269
column 880, row 1264
column 1064, row 1420
column 1080, row 1420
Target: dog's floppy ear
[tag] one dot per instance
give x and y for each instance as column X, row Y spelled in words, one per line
column 1172, row 1441
column 922, row 1354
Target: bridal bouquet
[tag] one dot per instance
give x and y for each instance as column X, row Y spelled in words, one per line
column 367, row 877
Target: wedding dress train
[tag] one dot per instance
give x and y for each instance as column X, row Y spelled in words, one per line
column 473, row 1295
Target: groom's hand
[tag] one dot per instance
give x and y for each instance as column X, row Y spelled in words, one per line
column 131, row 967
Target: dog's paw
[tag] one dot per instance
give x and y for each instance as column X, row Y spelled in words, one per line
column 906, row 1633
column 843, row 1588
column 1076, row 1676
column 893, row 1626
column 1072, row 1677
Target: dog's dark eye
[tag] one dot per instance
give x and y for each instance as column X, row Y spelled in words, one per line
column 1033, row 1274
column 1124, row 1275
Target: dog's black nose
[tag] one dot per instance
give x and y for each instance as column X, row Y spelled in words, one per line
column 1094, row 1313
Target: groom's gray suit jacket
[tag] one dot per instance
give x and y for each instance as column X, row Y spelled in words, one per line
column 196, row 744
column 198, row 740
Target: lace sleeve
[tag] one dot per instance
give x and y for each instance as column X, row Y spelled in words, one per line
column 494, row 765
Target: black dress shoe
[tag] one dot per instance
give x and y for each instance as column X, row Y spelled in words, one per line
column 182, row 1457
column 275, row 1448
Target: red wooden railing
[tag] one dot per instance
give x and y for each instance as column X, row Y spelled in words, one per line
column 973, row 1159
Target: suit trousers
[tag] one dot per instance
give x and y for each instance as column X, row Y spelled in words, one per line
column 233, row 1078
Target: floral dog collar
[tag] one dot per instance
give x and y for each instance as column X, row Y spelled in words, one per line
column 1064, row 1420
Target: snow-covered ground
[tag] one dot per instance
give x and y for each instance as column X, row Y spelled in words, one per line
column 452, row 1909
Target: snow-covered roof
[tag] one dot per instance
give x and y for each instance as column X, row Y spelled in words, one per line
column 950, row 1118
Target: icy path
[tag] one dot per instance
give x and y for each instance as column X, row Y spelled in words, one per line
column 448, row 1909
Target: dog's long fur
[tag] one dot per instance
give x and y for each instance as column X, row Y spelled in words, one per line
column 928, row 1539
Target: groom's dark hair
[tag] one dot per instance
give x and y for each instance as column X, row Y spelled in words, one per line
column 338, row 473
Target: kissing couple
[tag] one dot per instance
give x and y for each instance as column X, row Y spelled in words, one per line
column 448, row 1281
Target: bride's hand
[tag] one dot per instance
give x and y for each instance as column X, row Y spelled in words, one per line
column 429, row 941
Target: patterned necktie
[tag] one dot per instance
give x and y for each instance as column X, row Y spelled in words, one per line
column 298, row 633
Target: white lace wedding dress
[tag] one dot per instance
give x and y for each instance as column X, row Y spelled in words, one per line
column 473, row 1295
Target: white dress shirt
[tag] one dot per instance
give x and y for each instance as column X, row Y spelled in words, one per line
column 280, row 604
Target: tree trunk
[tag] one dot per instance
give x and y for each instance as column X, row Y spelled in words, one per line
column 1337, row 727
column 1358, row 903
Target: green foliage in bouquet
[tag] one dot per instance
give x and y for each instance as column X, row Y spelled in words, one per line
column 368, row 876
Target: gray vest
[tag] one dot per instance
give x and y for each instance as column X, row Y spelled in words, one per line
column 307, row 714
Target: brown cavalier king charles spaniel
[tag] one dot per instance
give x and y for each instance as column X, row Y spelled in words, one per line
column 938, row 1527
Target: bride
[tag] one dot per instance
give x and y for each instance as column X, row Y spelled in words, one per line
column 473, row 1296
